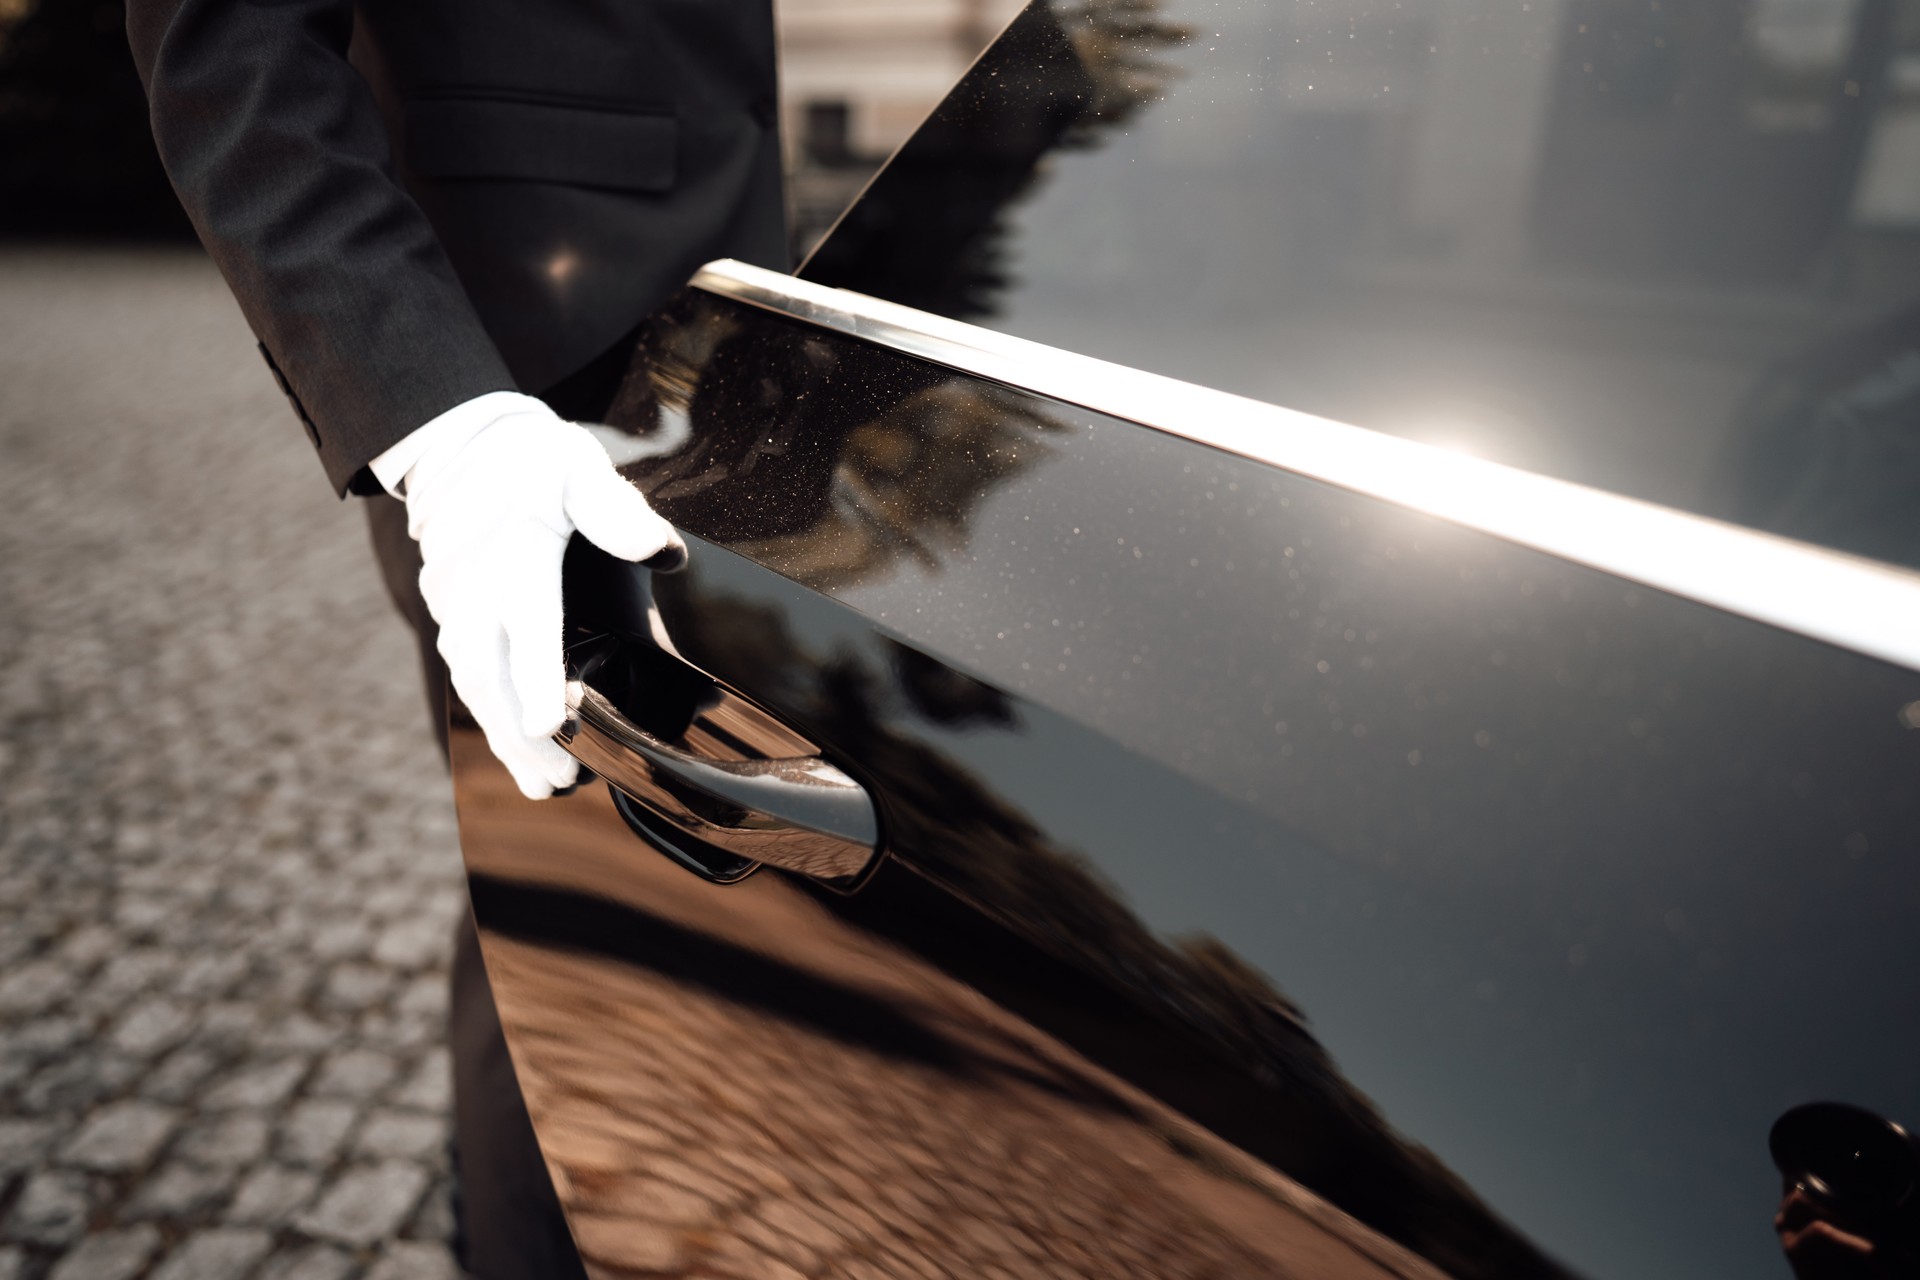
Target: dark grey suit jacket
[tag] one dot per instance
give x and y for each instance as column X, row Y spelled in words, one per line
column 431, row 199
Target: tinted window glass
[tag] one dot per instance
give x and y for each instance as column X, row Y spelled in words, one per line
column 1670, row 249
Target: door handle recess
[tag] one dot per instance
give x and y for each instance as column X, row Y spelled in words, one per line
column 798, row 813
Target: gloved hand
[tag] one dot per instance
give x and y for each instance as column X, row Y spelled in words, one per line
column 494, row 489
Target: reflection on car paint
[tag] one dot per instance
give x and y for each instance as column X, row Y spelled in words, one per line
column 1548, row 899
column 1277, row 882
column 1664, row 251
column 721, row 1079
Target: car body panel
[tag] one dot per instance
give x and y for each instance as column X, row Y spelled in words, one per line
column 725, row 1079
column 1277, row 879
column 1587, row 842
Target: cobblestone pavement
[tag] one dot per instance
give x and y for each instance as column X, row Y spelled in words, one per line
column 738, row 1084
column 228, row 866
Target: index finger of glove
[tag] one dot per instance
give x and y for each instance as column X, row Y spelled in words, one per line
column 613, row 515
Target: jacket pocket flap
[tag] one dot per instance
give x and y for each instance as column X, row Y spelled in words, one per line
column 627, row 149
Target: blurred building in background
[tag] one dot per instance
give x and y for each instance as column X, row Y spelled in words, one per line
column 856, row 78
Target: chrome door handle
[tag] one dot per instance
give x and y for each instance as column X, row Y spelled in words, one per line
column 795, row 812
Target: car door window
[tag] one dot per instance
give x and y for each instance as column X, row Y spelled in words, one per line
column 1671, row 251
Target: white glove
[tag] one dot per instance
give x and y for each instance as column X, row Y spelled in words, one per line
column 494, row 488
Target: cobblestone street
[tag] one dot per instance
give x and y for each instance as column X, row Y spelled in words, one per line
column 228, row 865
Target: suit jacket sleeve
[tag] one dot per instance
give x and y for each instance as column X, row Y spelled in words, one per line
column 277, row 150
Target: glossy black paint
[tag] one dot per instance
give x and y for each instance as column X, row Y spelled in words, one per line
column 746, row 1079
column 1580, row 885
column 1672, row 251
column 1500, row 903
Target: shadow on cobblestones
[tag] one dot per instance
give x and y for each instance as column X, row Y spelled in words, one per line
column 228, row 865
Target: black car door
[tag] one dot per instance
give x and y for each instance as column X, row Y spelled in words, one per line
column 1070, row 821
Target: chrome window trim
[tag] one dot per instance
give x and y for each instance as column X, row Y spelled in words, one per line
column 1855, row 603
